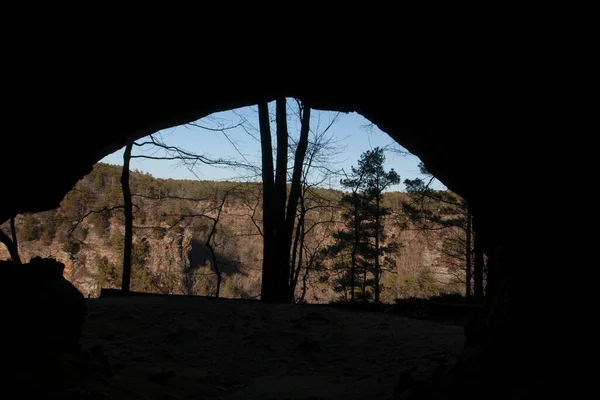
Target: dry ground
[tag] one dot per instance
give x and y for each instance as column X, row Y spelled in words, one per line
column 195, row 348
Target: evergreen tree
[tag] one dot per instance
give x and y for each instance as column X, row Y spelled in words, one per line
column 363, row 235
column 377, row 180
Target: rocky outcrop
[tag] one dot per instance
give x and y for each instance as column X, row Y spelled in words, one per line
column 44, row 311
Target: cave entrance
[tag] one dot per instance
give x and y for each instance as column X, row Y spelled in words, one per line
column 411, row 125
column 184, row 179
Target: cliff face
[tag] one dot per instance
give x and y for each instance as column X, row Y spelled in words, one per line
column 172, row 222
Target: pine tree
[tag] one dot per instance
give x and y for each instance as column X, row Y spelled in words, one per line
column 363, row 236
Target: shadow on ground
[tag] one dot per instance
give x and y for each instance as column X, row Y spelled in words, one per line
column 177, row 347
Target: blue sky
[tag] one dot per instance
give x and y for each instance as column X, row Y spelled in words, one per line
column 353, row 134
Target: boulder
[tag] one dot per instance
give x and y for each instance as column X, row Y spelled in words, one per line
column 43, row 312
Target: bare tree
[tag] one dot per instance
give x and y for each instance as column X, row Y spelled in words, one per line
column 305, row 252
column 283, row 232
column 270, row 281
column 280, row 207
column 278, row 232
column 211, row 237
column 172, row 153
column 188, row 159
column 11, row 242
column 128, row 208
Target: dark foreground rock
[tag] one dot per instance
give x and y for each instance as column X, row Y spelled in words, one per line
column 42, row 320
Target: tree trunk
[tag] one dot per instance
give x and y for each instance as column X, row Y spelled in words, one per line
column 304, row 282
column 13, row 232
column 478, row 272
column 295, row 191
column 298, row 242
column 282, row 250
column 306, row 269
column 126, row 281
column 354, row 249
column 269, row 272
column 468, row 253
column 11, row 247
column 376, row 272
column 216, row 267
column 279, row 228
column 300, row 261
column 294, row 266
column 364, row 285
column 282, row 160
column 211, row 235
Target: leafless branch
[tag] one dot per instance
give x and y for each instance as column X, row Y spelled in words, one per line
column 221, row 129
column 79, row 221
column 188, row 158
column 254, row 221
column 169, row 197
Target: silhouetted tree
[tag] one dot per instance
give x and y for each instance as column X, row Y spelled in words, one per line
column 431, row 210
column 316, row 170
column 11, row 242
column 364, row 216
column 140, row 279
column 270, row 281
column 190, row 160
column 278, row 217
column 280, row 221
column 353, row 205
column 210, row 241
column 128, row 208
column 376, row 181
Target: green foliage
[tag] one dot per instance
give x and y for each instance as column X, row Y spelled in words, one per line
column 422, row 284
column 107, row 275
column 139, row 254
column 198, row 281
column 433, row 208
column 141, row 279
column 117, row 241
column 364, row 231
column 427, row 282
column 139, row 250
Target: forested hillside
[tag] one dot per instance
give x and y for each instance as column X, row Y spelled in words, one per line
column 173, row 219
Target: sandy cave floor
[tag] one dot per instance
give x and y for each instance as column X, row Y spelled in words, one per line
column 196, row 348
